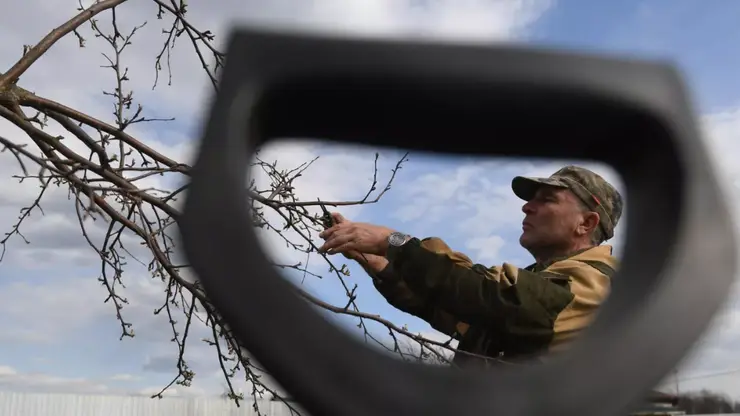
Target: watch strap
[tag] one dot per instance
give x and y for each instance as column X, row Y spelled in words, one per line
column 394, row 249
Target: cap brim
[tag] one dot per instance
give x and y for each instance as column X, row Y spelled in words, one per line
column 526, row 187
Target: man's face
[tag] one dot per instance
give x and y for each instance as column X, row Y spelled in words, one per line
column 554, row 219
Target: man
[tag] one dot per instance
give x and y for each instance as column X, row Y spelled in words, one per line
column 502, row 312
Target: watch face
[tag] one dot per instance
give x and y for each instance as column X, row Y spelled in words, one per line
column 396, row 239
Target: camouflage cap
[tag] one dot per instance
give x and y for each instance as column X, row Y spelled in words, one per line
column 598, row 194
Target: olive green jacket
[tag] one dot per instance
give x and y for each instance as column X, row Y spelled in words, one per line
column 501, row 312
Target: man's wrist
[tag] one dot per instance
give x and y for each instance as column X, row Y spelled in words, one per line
column 387, row 275
column 374, row 263
column 396, row 241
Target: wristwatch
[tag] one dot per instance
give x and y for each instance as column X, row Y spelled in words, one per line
column 396, row 240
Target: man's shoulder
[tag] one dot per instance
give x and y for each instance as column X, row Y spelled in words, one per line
column 439, row 246
column 596, row 260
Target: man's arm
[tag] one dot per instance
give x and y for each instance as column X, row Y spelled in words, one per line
column 512, row 300
column 395, row 290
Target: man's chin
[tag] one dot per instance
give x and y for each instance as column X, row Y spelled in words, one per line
column 529, row 241
column 524, row 240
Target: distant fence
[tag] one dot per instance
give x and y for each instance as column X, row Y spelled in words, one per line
column 58, row 404
column 41, row 404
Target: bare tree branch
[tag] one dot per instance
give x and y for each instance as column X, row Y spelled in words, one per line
column 106, row 182
column 32, row 55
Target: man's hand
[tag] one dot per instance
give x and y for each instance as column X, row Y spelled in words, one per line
column 355, row 255
column 370, row 262
column 352, row 238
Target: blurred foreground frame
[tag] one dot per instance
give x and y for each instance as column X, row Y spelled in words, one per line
column 459, row 98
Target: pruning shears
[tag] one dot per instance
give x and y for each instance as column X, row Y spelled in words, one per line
column 326, row 219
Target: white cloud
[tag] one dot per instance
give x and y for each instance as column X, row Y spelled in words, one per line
column 721, row 131
column 472, row 192
column 344, row 174
column 184, row 100
column 476, row 200
column 57, row 313
column 55, row 238
column 487, row 248
column 12, row 380
column 470, row 19
column 436, row 187
column 125, row 377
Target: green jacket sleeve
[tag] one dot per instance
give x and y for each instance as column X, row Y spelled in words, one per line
column 507, row 298
column 398, row 293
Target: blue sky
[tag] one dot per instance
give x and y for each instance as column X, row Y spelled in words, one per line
column 698, row 36
column 58, row 335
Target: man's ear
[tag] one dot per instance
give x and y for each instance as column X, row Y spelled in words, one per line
column 590, row 221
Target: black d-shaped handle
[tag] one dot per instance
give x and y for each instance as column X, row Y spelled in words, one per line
column 494, row 100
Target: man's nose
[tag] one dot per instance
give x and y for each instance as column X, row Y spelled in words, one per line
column 528, row 208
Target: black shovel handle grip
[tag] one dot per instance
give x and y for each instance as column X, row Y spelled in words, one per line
column 492, row 100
